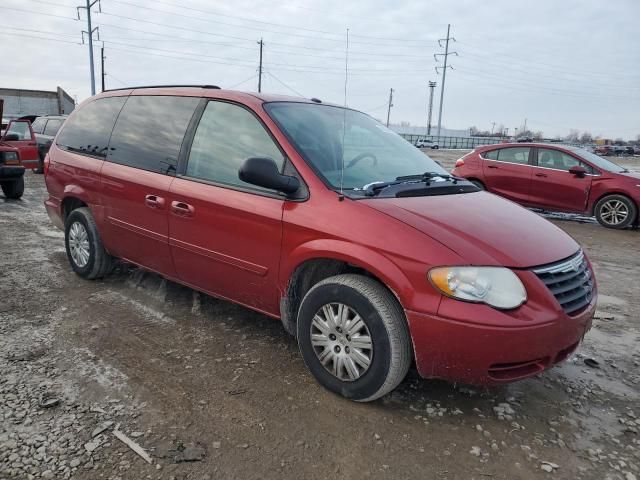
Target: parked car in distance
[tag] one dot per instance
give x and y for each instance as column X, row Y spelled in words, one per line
column 524, row 139
column 368, row 251
column 554, row 177
column 603, row 150
column 425, row 143
column 45, row 129
column 11, row 172
column 19, row 134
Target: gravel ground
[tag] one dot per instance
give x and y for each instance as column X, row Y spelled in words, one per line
column 212, row 390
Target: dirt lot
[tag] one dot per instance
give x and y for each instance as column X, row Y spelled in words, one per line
column 211, row 390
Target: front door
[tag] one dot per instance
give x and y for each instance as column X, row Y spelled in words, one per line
column 225, row 234
column 19, row 134
column 553, row 187
column 507, row 172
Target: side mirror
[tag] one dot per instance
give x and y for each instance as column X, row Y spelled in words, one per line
column 11, row 137
column 578, row 171
column 263, row 172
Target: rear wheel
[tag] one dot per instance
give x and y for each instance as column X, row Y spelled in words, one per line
column 13, row 189
column 85, row 251
column 616, row 211
column 353, row 337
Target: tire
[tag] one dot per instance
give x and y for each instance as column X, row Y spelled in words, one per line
column 478, row 184
column 95, row 262
column 13, row 189
column 436, row 147
column 383, row 322
column 616, row 211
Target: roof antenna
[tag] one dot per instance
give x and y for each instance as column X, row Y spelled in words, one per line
column 344, row 117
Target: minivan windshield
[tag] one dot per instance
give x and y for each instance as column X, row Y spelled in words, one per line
column 329, row 137
column 598, row 161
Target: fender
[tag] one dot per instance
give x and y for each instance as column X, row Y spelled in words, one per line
column 355, row 254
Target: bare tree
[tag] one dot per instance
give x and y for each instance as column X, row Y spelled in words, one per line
column 574, row 136
column 586, row 137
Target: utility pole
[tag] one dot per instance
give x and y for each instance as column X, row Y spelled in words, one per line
column 102, row 58
column 525, row 125
column 89, row 33
column 444, row 70
column 261, row 43
column 432, row 85
column 493, row 125
column 390, row 105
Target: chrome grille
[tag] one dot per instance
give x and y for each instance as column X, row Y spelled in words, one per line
column 570, row 281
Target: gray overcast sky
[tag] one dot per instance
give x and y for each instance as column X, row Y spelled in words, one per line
column 561, row 64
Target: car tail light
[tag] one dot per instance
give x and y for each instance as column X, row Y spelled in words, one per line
column 46, row 164
column 460, row 162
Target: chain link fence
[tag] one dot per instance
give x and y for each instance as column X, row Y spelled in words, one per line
column 453, row 142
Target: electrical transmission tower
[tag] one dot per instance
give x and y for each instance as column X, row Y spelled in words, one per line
column 261, row 43
column 390, row 105
column 444, row 69
column 89, row 33
column 432, row 85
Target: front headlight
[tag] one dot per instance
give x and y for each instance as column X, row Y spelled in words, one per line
column 9, row 156
column 498, row 287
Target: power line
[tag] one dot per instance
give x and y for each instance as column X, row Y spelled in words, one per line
column 284, row 84
column 288, row 28
column 240, row 83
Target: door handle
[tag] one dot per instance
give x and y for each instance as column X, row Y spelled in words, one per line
column 154, row 201
column 541, row 174
column 32, row 144
column 182, row 209
column 492, row 166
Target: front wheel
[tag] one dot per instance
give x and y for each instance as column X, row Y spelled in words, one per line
column 13, row 189
column 354, row 337
column 616, row 211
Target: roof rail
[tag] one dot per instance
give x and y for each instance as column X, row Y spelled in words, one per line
column 215, row 87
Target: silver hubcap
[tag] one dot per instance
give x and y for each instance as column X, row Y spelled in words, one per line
column 79, row 244
column 342, row 341
column 614, row 212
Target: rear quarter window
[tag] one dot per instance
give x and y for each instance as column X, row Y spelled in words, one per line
column 53, row 125
column 149, row 132
column 88, row 130
column 38, row 125
column 490, row 155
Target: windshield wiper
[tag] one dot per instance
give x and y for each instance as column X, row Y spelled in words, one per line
column 373, row 189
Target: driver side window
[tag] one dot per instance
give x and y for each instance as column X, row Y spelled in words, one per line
column 557, row 160
column 20, row 128
column 226, row 136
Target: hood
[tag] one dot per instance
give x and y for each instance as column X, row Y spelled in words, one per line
column 482, row 228
column 631, row 174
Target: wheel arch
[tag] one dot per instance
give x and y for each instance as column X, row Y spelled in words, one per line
column 608, row 193
column 317, row 260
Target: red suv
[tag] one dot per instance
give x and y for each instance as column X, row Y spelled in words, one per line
column 369, row 253
column 559, row 178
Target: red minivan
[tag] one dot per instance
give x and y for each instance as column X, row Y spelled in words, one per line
column 370, row 254
column 556, row 177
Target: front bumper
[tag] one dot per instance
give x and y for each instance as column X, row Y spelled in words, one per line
column 9, row 172
column 480, row 354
